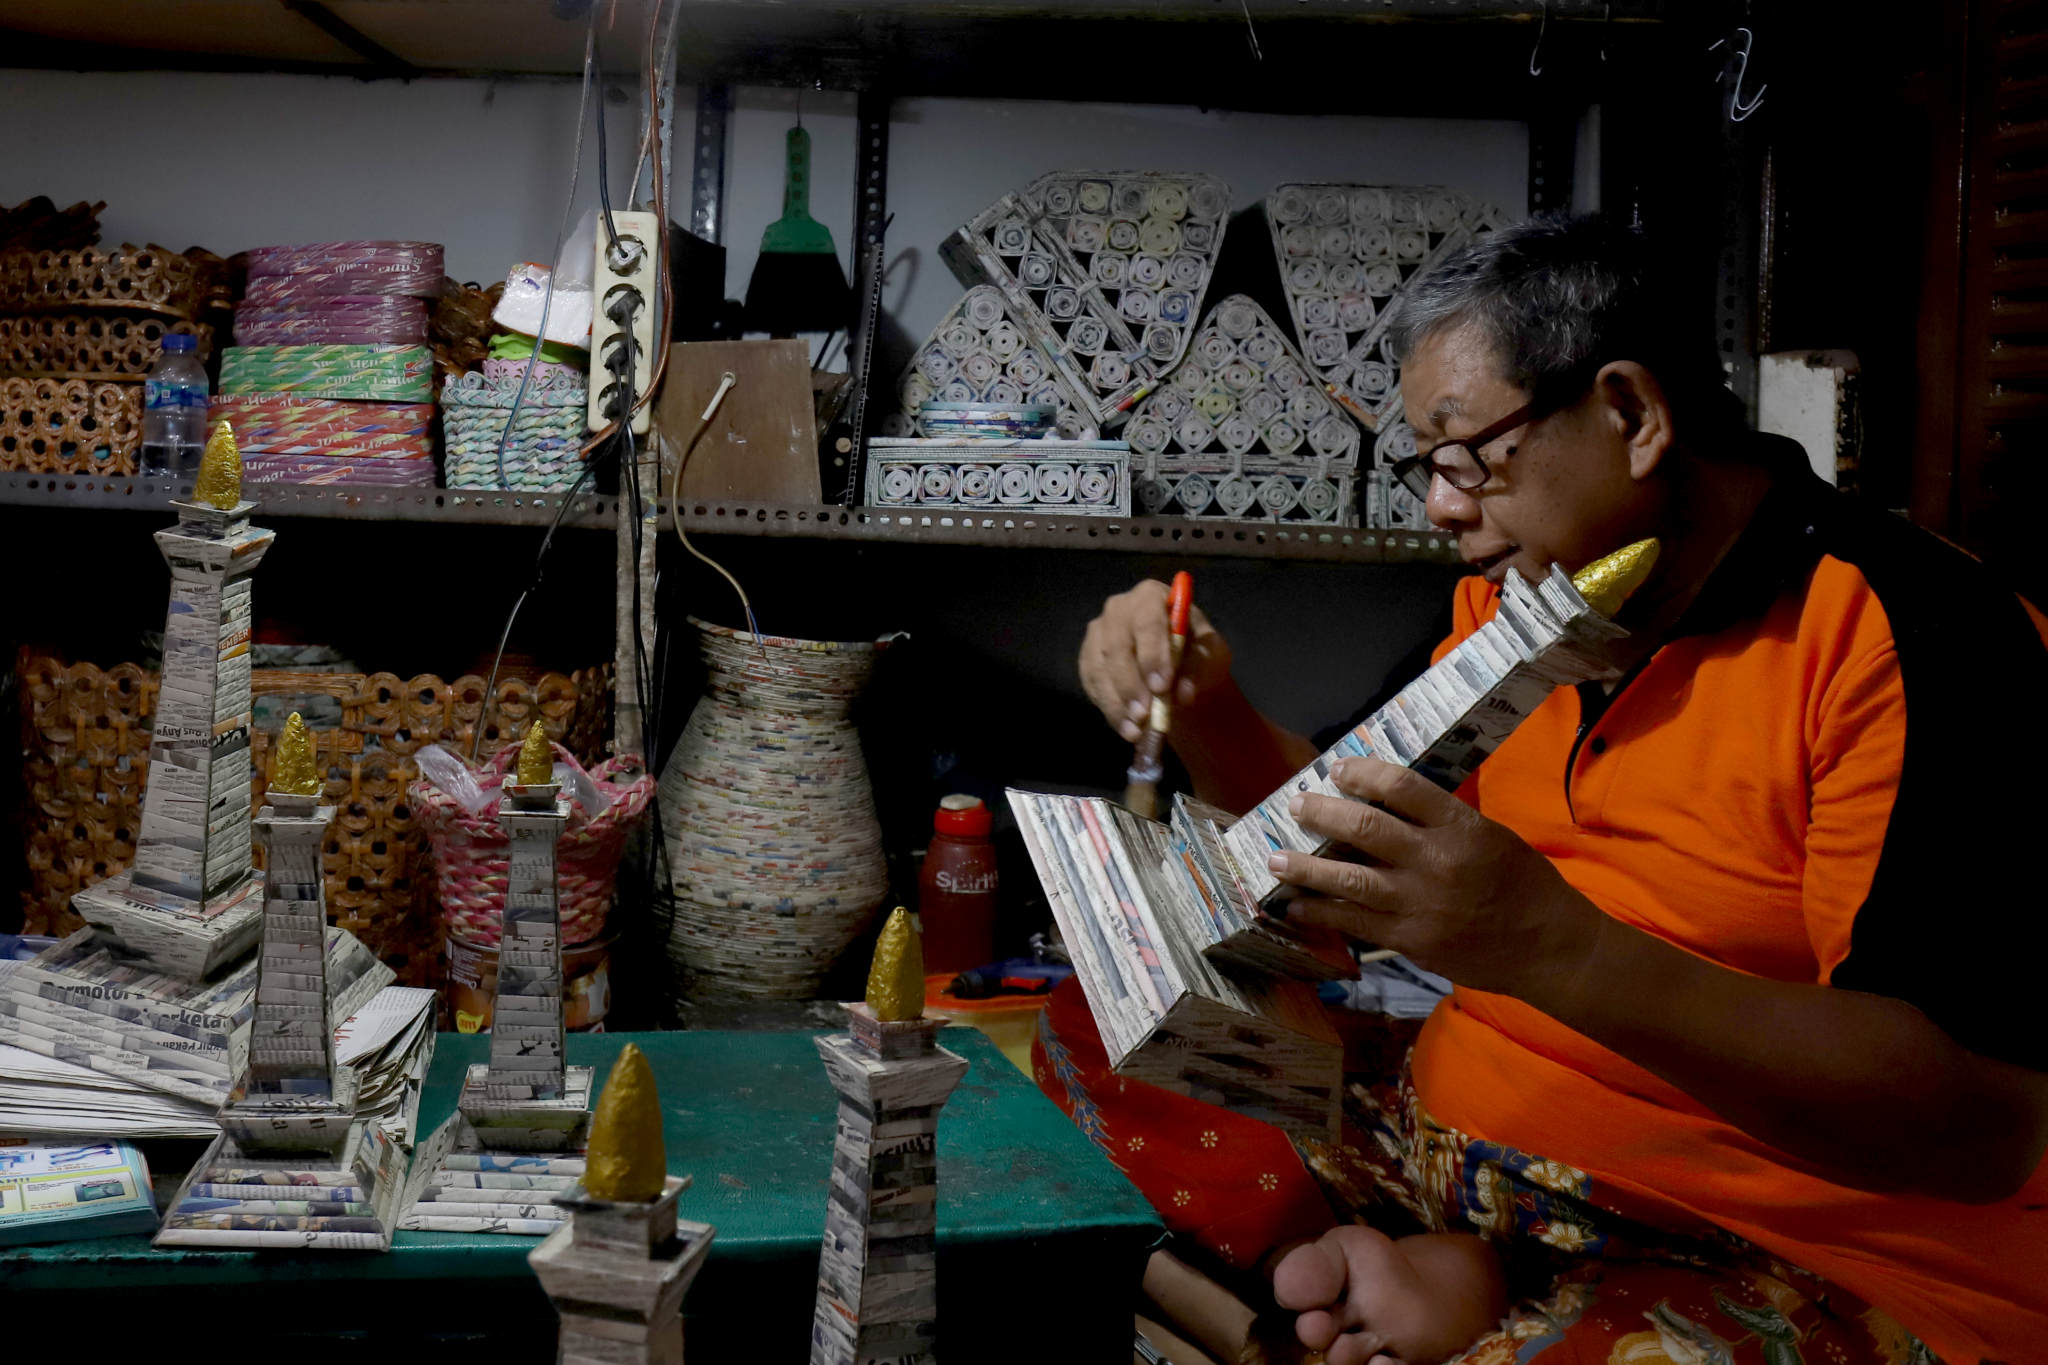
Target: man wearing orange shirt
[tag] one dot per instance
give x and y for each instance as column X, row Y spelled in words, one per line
column 1741, row 1042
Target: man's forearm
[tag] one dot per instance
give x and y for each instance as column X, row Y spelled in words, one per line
column 1235, row 756
column 1865, row 1087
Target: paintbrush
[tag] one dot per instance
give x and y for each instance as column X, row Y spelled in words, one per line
column 1141, row 792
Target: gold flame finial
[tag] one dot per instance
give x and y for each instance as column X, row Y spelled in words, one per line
column 1606, row 583
column 626, row 1161
column 536, row 758
column 292, row 772
column 896, row 980
column 220, row 471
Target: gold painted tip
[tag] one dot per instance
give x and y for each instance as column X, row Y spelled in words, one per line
column 220, row 471
column 536, row 758
column 896, row 980
column 292, row 772
column 1606, row 583
column 626, row 1161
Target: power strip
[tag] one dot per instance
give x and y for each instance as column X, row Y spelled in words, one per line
column 626, row 286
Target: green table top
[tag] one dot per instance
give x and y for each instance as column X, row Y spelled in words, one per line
column 1023, row 1196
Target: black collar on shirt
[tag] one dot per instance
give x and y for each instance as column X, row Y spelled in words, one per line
column 1784, row 539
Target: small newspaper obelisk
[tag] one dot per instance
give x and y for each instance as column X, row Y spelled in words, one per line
column 188, row 902
column 877, row 1276
column 618, row 1272
column 294, row 1165
column 524, row 1113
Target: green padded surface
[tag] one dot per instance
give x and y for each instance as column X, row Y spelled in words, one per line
column 1031, row 1215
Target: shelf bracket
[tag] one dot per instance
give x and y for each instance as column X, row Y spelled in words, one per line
column 707, row 176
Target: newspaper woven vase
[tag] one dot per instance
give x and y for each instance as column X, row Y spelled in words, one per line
column 769, row 818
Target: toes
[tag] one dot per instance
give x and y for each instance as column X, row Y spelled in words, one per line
column 1310, row 1276
column 1358, row 1348
column 1316, row 1329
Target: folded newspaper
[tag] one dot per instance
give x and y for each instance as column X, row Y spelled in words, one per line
column 1193, row 984
column 82, row 1002
column 389, row 1044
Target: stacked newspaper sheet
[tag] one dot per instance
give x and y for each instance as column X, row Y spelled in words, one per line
column 81, row 1002
column 1193, row 984
column 389, row 1044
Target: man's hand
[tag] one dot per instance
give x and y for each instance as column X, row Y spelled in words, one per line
column 1461, row 895
column 1127, row 658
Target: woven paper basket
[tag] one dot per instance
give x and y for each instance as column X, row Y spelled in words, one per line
column 542, row 454
column 471, row 862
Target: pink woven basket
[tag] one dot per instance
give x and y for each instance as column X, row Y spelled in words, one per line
column 470, row 850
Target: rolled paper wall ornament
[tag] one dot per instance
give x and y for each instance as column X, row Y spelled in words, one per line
column 220, row 471
column 896, row 978
column 292, row 773
column 1607, row 582
column 626, row 1160
column 536, row 758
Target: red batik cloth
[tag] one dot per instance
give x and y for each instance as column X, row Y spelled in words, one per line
column 1233, row 1185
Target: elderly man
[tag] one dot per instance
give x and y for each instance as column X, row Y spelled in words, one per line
column 1732, row 991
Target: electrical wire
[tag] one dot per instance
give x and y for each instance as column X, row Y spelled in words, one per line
column 675, row 503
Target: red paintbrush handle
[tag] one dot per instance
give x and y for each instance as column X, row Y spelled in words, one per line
column 1180, row 601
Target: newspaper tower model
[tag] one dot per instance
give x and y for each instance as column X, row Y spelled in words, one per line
column 618, row 1271
column 877, row 1282
column 189, row 901
column 1196, row 983
column 156, row 990
column 294, row 1166
column 524, row 1112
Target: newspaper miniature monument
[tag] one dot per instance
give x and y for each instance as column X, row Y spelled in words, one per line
column 519, row 1130
column 157, row 988
column 294, row 1165
column 617, row 1272
column 190, row 902
column 877, row 1278
column 1194, row 985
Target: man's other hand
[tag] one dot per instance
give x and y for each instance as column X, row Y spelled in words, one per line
column 1127, row 658
column 1459, row 894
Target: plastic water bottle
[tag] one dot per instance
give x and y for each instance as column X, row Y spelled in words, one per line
column 174, row 410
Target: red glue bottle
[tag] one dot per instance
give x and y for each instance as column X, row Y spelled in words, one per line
column 956, row 890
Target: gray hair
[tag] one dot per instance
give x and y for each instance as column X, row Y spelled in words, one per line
column 1559, row 297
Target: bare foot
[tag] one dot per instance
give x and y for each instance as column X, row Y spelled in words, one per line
column 1366, row 1299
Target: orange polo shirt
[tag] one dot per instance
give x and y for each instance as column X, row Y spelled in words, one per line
column 1831, row 774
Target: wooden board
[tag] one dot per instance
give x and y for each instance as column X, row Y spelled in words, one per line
column 762, row 443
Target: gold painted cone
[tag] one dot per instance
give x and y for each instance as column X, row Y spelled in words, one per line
column 1607, row 582
column 896, row 980
column 626, row 1161
column 536, row 759
column 293, row 773
column 220, row 471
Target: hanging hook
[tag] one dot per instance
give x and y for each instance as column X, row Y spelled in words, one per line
column 1251, row 30
column 1740, row 109
column 1542, row 30
column 1606, row 23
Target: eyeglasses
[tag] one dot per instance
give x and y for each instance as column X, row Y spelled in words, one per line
column 1457, row 462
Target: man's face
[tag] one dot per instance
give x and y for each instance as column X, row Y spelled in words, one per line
column 1561, row 491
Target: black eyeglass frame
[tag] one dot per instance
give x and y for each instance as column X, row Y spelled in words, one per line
column 1416, row 472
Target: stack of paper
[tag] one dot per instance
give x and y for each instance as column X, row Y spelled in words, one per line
column 389, row 1043
column 62, row 1191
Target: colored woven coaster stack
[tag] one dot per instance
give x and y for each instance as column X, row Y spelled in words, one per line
column 332, row 381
